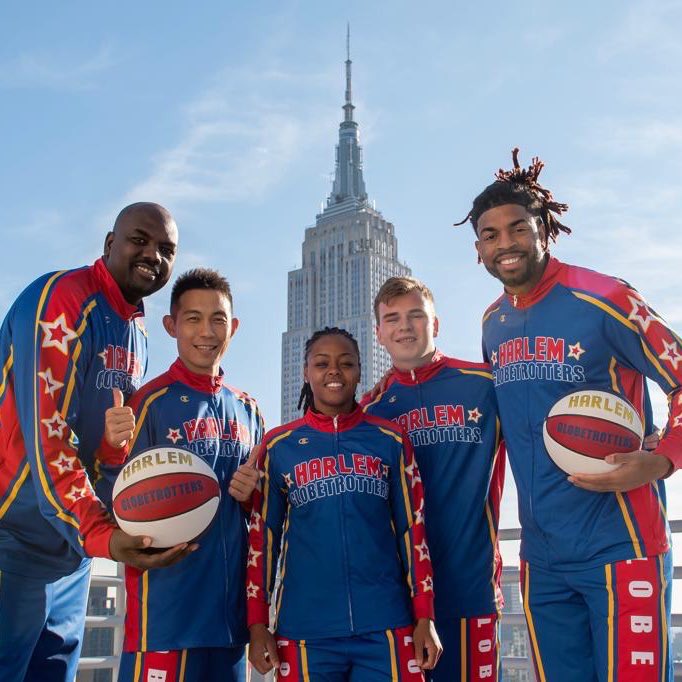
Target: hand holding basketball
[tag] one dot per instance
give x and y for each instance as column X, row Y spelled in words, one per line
column 636, row 469
column 245, row 479
column 263, row 649
column 119, row 422
column 134, row 550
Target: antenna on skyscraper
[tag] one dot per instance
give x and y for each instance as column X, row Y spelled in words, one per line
column 348, row 106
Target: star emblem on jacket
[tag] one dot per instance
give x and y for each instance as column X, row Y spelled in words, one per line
column 427, row 584
column 575, row 350
column 252, row 590
column 640, row 313
column 255, row 520
column 419, row 514
column 423, row 551
column 253, row 556
column 173, row 435
column 474, row 415
column 55, row 425
column 76, row 493
column 677, row 421
column 671, row 353
column 493, row 358
column 287, row 480
column 64, row 463
column 51, row 384
column 57, row 334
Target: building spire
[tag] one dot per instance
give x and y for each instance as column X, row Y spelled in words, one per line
column 348, row 106
column 348, row 190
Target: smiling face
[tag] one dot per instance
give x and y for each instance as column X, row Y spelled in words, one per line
column 203, row 326
column 513, row 246
column 332, row 369
column 407, row 328
column 140, row 251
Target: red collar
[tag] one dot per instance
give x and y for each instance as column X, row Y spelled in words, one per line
column 542, row 288
column 201, row 382
column 112, row 292
column 344, row 422
column 419, row 375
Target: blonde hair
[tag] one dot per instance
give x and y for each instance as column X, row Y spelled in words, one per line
column 399, row 286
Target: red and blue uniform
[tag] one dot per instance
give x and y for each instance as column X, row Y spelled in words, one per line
column 343, row 499
column 195, row 609
column 576, row 329
column 68, row 339
column 448, row 408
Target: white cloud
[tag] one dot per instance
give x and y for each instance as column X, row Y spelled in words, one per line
column 242, row 135
column 42, row 69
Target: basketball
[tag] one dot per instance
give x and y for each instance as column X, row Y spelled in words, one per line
column 169, row 494
column 586, row 425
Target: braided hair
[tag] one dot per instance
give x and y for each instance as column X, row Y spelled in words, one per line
column 306, row 398
column 520, row 186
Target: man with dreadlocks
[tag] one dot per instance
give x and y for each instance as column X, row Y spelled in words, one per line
column 595, row 560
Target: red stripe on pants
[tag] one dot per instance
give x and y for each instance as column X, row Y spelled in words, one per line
column 638, row 604
column 482, row 648
column 407, row 665
column 160, row 666
column 289, row 666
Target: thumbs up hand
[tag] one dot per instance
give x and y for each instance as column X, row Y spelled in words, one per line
column 119, row 422
column 245, row 479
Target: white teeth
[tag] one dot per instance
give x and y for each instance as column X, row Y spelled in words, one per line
column 334, row 384
column 510, row 261
column 147, row 270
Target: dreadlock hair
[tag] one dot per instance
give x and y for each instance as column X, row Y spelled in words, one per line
column 306, row 398
column 520, row 186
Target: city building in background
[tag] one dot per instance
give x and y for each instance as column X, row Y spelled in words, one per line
column 346, row 257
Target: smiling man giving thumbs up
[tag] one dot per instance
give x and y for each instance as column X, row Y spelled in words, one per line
column 191, row 616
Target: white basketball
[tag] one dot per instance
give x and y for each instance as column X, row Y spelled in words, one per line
column 586, row 425
column 169, row 494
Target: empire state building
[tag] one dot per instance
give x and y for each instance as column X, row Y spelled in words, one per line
column 346, row 257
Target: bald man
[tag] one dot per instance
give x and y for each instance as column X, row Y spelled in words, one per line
column 69, row 339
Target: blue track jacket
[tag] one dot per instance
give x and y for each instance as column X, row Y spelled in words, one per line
column 580, row 329
column 448, row 408
column 343, row 496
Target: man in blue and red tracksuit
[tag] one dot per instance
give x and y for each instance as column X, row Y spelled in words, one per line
column 342, row 497
column 596, row 565
column 448, row 408
column 67, row 340
column 187, row 623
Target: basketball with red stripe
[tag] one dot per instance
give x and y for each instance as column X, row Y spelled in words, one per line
column 585, row 426
column 169, row 494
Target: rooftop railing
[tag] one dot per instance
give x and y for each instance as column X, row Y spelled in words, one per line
column 513, row 664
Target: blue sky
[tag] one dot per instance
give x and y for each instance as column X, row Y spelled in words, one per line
column 228, row 113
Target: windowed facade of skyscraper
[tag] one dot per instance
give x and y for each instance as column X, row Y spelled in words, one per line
column 346, row 257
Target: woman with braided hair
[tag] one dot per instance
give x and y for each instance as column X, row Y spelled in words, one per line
column 596, row 568
column 342, row 497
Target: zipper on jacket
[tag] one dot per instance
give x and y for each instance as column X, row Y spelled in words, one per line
column 223, row 534
column 344, row 543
